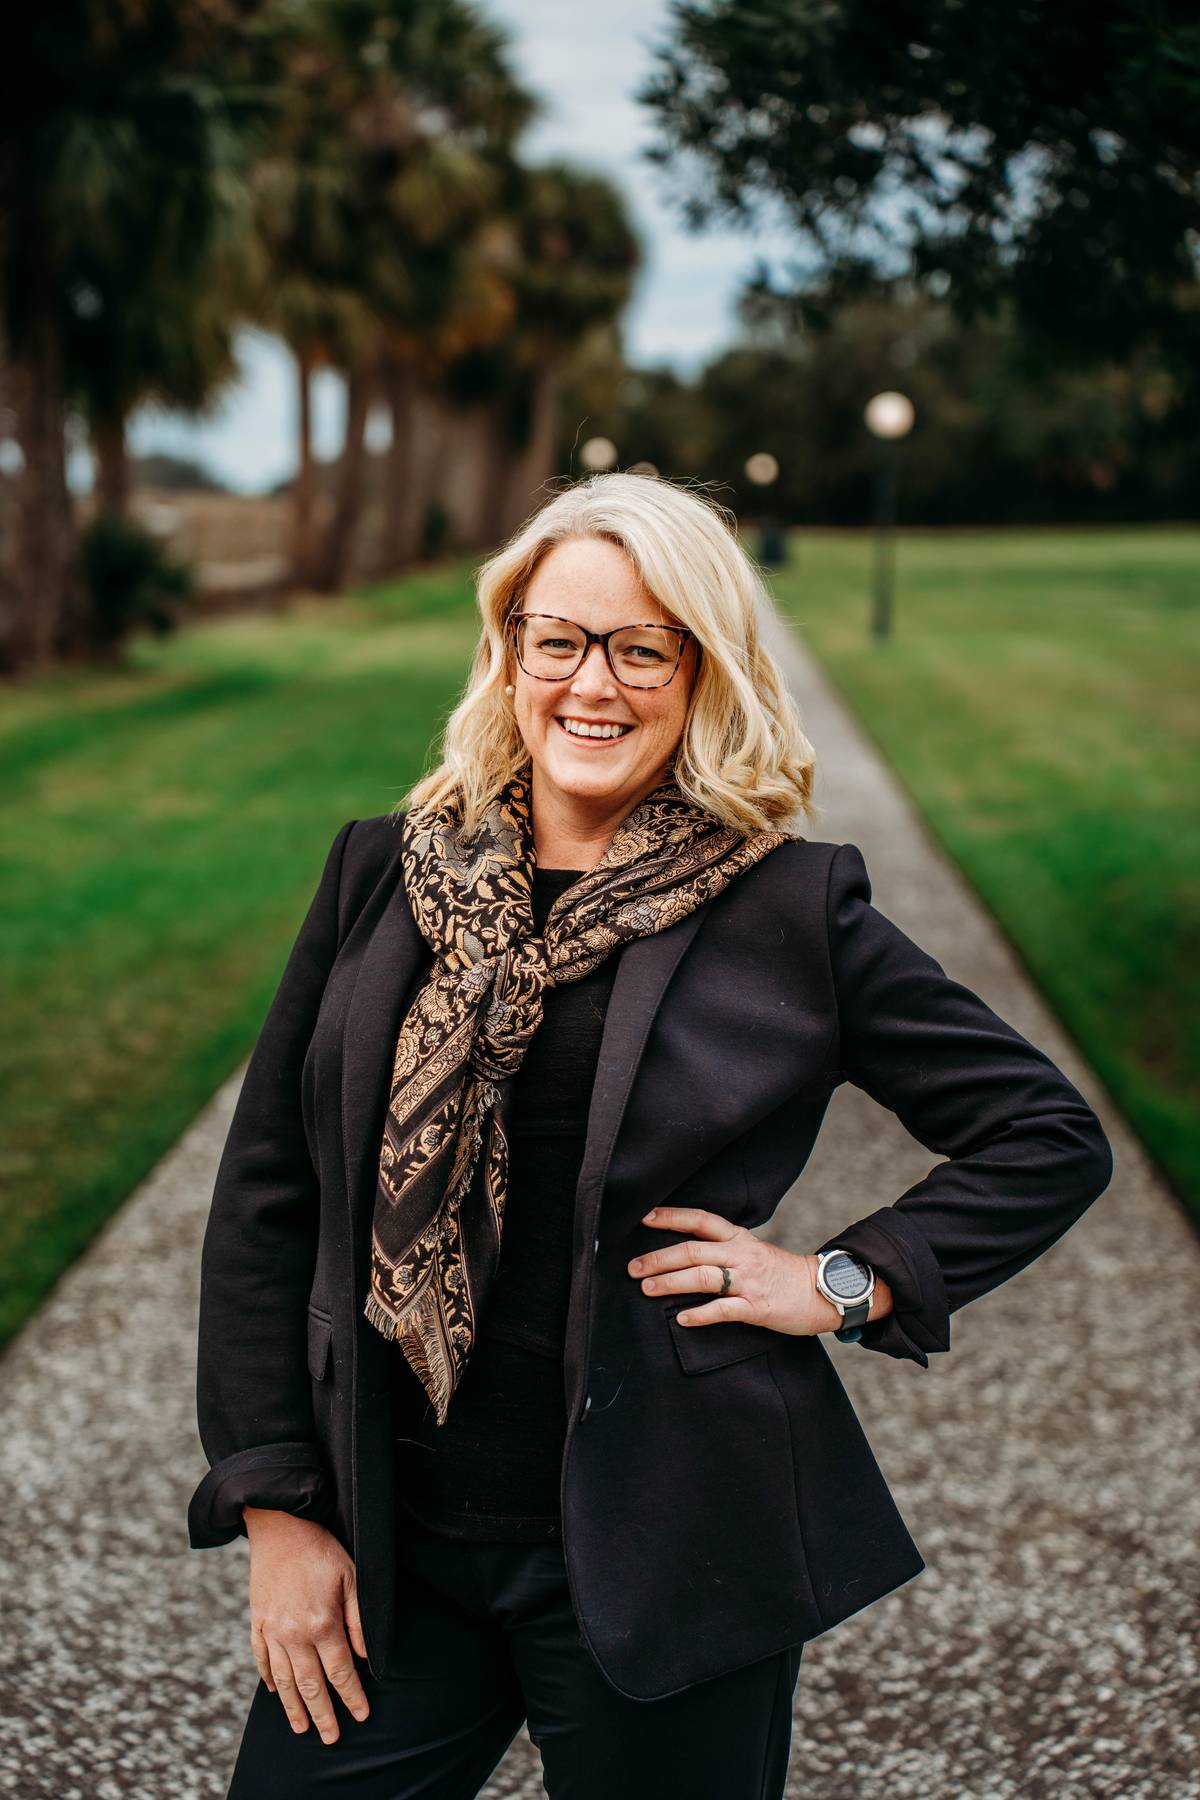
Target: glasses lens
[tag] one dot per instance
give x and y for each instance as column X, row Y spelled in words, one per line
column 642, row 655
column 549, row 647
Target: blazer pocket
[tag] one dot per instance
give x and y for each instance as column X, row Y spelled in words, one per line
column 320, row 1337
column 703, row 1347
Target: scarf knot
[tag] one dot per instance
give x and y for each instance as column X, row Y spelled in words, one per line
column 513, row 1011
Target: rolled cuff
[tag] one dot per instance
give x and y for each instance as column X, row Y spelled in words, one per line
column 284, row 1477
column 896, row 1249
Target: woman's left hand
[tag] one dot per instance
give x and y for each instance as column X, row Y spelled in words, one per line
column 769, row 1285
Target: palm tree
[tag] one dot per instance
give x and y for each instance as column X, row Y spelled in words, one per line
column 575, row 255
column 120, row 199
column 169, row 344
column 374, row 196
column 476, row 310
column 311, row 291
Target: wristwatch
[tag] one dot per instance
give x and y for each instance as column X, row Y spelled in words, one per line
column 849, row 1283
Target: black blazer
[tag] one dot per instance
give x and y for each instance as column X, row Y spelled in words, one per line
column 720, row 1499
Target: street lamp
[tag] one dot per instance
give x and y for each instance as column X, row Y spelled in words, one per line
column 890, row 418
column 763, row 470
column 598, row 454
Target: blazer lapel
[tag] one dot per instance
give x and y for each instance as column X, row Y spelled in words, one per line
column 644, row 968
column 396, row 958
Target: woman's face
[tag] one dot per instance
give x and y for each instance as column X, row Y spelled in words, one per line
column 593, row 582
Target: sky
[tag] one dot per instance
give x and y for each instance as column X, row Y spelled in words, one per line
column 584, row 63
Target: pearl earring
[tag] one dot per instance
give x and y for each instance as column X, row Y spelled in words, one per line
column 510, row 689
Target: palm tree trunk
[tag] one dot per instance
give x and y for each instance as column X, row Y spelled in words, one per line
column 399, row 387
column 8, row 583
column 496, row 473
column 304, row 489
column 47, row 618
column 539, row 460
column 112, row 468
column 339, row 538
column 432, row 521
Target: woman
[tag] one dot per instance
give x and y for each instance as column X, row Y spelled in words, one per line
column 522, row 1419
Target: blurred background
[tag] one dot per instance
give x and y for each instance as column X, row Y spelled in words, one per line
column 305, row 304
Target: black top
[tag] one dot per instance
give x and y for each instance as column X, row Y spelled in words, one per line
column 492, row 1470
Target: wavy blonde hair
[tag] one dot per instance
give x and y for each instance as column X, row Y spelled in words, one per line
column 743, row 755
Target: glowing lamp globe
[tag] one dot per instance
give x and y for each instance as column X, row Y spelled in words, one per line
column 598, row 454
column 762, row 468
column 890, row 415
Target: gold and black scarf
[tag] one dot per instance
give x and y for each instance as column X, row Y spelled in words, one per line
column 443, row 1164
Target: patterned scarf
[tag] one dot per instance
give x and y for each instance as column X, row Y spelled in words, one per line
column 443, row 1164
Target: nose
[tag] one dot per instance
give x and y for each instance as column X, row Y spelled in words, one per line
column 600, row 673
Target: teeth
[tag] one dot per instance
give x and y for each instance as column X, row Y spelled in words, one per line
column 604, row 731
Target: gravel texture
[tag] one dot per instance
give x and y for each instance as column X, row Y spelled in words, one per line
column 1047, row 1466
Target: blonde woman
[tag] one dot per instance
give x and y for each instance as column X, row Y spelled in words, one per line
column 521, row 1418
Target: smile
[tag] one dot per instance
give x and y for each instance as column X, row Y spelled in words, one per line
column 594, row 736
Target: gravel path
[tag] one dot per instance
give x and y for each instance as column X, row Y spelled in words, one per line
column 1048, row 1470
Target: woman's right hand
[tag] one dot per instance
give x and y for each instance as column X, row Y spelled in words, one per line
column 303, row 1602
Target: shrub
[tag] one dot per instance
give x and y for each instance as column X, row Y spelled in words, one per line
column 132, row 582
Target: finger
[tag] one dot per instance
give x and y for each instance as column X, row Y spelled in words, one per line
column 354, row 1624
column 704, row 1278
column 258, row 1649
column 685, row 1255
column 339, row 1666
column 310, row 1681
column 690, row 1218
column 732, row 1307
column 285, row 1686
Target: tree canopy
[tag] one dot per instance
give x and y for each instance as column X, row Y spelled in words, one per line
column 1030, row 153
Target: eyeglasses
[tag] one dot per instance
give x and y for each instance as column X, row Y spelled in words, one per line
column 640, row 656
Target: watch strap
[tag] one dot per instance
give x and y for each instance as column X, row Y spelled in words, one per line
column 853, row 1319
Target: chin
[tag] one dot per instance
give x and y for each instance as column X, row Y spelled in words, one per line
column 592, row 776
column 588, row 786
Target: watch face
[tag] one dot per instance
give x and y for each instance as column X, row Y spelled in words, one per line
column 845, row 1277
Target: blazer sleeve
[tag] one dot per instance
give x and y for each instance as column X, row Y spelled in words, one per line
column 253, row 1396
column 1026, row 1153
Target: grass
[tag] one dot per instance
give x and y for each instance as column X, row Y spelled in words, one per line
column 1037, row 699
column 162, row 830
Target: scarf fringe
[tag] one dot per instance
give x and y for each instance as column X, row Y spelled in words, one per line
column 420, row 1330
column 384, row 1322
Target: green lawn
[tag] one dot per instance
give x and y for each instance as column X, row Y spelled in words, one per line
column 1038, row 699
column 162, row 829
column 161, row 833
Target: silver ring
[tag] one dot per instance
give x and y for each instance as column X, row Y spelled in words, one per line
column 726, row 1280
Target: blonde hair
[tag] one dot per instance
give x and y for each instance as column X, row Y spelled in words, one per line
column 743, row 755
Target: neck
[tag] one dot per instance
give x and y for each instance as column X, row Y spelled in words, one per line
column 572, row 833
column 555, row 851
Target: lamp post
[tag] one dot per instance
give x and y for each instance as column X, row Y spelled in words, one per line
column 889, row 418
column 598, row 454
column 763, row 470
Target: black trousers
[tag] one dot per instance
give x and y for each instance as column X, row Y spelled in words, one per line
column 489, row 1641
